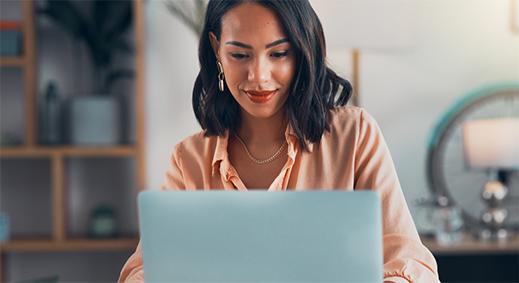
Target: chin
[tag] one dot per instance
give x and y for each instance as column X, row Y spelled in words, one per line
column 262, row 112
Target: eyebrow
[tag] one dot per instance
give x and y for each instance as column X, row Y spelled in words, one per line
column 243, row 45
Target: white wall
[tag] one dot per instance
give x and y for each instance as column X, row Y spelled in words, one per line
column 456, row 46
column 460, row 46
column 171, row 69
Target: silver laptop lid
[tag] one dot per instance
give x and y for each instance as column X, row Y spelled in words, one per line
column 259, row 236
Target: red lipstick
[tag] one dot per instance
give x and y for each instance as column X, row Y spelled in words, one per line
column 260, row 96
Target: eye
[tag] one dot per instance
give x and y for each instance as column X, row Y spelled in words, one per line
column 239, row 55
column 280, row 54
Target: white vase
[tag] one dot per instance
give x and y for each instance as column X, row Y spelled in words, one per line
column 94, row 121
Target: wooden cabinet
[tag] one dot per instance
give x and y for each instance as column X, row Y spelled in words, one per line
column 59, row 239
column 473, row 260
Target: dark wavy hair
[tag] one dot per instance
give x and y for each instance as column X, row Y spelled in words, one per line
column 315, row 88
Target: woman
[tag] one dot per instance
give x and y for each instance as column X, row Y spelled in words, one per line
column 274, row 116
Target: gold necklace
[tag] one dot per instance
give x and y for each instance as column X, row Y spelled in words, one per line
column 261, row 161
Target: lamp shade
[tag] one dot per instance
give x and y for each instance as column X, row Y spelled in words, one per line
column 492, row 143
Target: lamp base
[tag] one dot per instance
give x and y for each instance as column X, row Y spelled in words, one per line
column 494, row 216
column 493, row 235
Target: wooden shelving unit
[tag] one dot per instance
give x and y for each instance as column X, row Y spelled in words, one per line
column 49, row 245
column 59, row 241
column 67, row 151
column 12, row 62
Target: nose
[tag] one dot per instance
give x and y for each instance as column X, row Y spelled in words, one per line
column 260, row 70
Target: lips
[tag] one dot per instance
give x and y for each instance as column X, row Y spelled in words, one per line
column 260, row 96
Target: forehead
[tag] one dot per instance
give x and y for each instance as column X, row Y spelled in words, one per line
column 253, row 22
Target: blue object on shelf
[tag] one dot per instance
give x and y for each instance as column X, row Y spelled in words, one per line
column 10, row 43
column 4, row 227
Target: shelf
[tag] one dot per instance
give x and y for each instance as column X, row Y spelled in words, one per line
column 69, row 245
column 61, row 161
column 12, row 61
column 68, row 151
column 471, row 245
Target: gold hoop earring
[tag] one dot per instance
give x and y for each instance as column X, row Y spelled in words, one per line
column 221, row 76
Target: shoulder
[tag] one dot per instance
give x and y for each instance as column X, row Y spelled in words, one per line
column 349, row 118
column 195, row 147
column 195, row 140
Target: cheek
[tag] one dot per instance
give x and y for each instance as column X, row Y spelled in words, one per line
column 285, row 72
column 234, row 73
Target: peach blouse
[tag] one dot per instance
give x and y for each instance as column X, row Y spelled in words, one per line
column 351, row 156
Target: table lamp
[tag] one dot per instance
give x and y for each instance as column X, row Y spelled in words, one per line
column 492, row 145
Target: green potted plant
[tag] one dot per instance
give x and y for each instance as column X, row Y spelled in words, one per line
column 191, row 14
column 95, row 119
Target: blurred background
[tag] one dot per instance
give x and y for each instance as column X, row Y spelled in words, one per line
column 95, row 94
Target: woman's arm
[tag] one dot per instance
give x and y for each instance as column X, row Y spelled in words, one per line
column 132, row 270
column 405, row 257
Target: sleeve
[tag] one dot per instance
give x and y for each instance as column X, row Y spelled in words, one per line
column 132, row 270
column 405, row 257
column 174, row 179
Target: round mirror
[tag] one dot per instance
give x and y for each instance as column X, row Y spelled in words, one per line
column 447, row 172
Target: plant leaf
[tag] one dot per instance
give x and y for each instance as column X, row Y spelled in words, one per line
column 67, row 16
column 122, row 16
column 100, row 15
column 116, row 75
column 122, row 45
column 201, row 7
column 180, row 10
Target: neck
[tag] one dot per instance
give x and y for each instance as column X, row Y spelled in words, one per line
column 263, row 131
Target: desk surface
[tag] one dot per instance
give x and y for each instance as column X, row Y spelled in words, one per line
column 472, row 245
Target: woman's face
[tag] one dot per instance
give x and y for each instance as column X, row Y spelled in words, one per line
column 256, row 57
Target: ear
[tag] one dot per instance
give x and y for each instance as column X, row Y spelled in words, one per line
column 215, row 44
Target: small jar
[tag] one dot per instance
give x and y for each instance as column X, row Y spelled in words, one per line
column 448, row 222
column 103, row 222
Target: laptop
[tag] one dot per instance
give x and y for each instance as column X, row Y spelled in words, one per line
column 260, row 236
